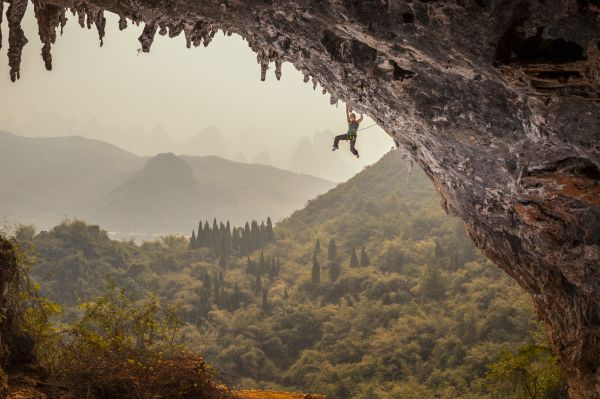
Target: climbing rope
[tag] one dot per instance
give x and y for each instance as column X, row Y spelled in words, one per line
column 365, row 128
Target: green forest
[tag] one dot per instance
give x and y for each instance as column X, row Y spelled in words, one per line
column 369, row 292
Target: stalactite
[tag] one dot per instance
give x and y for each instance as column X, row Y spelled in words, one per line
column 122, row 22
column 306, row 77
column 333, row 99
column 16, row 36
column 263, row 60
column 278, row 63
column 1, row 14
column 81, row 17
column 147, row 36
column 175, row 29
column 188, row 31
column 100, row 22
column 162, row 28
column 49, row 17
column 314, row 82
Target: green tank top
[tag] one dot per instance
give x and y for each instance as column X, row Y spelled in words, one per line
column 352, row 128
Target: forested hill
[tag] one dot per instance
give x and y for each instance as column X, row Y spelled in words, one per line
column 370, row 292
column 383, row 201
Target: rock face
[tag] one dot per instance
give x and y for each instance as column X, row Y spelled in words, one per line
column 498, row 101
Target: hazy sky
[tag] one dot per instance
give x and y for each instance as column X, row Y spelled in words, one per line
column 118, row 95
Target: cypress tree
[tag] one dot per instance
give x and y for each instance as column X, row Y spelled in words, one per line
column 317, row 247
column 258, row 284
column 254, row 235
column 262, row 265
column 270, row 233
column 285, row 293
column 193, row 241
column 207, row 234
column 265, row 300
column 227, row 245
column 217, row 291
column 223, row 297
column 200, row 236
column 235, row 239
column 353, row 258
column 316, row 270
column 334, row 271
column 207, row 283
column 332, row 251
column 262, row 234
column 364, row 258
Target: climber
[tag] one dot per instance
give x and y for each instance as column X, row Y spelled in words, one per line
column 353, row 124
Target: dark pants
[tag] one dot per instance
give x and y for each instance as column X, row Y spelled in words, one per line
column 351, row 139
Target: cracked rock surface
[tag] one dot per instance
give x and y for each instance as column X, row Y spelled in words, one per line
column 498, row 101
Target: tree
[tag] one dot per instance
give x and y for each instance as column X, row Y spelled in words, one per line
column 316, row 270
column 258, row 283
column 265, row 299
column 332, row 251
column 335, row 271
column 353, row 258
column 317, row 247
column 262, row 264
column 193, row 242
column 270, row 234
column 364, row 258
column 200, row 237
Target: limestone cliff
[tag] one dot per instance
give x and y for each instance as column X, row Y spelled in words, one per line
column 497, row 100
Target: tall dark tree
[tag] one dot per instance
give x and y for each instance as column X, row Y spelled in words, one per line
column 258, row 283
column 332, row 251
column 265, row 299
column 316, row 270
column 317, row 247
column 270, row 234
column 193, row 241
column 207, row 234
column 335, row 270
column 235, row 239
column 353, row 258
column 200, row 235
column 262, row 264
column 364, row 258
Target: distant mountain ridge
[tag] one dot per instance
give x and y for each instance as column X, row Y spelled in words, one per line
column 48, row 179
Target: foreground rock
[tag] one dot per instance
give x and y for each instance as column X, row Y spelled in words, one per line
column 498, row 101
column 258, row 394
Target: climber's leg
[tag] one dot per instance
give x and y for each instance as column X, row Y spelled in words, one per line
column 352, row 148
column 336, row 141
